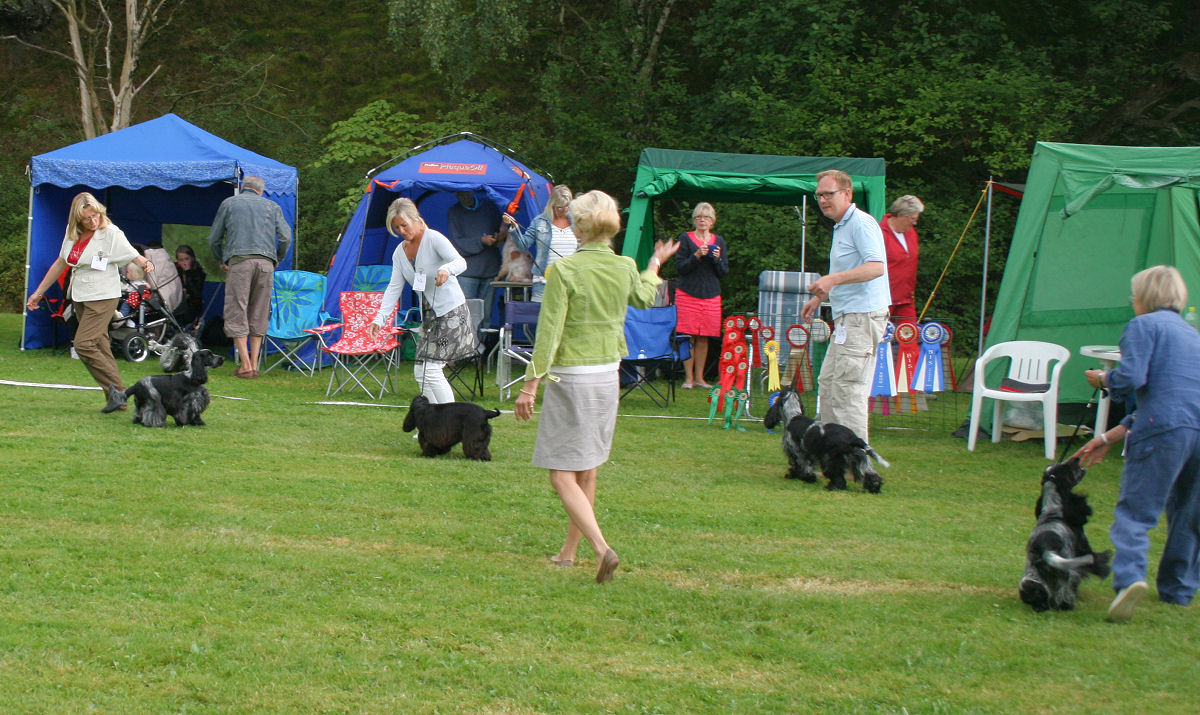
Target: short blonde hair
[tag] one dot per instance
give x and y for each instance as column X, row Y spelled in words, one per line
column 907, row 205
column 595, row 217
column 83, row 201
column 559, row 196
column 1160, row 287
column 705, row 209
column 403, row 207
column 841, row 178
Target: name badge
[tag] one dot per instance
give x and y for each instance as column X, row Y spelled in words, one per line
column 99, row 262
column 419, row 282
column 839, row 335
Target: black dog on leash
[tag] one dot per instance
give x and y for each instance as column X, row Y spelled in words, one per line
column 182, row 395
column 440, row 427
column 836, row 448
column 1058, row 555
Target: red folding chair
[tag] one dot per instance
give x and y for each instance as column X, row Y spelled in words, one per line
column 355, row 355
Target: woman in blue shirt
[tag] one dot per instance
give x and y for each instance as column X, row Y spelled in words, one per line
column 1160, row 368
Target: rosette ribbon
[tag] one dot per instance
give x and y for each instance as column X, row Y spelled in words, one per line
column 929, row 375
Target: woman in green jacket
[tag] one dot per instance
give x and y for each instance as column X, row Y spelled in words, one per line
column 579, row 345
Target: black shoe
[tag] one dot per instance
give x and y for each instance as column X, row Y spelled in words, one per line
column 116, row 400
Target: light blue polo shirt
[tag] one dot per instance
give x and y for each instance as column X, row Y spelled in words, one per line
column 857, row 239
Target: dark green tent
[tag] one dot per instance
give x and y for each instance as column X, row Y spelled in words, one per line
column 1091, row 217
column 736, row 178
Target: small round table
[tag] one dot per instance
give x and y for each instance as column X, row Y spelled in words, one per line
column 1109, row 356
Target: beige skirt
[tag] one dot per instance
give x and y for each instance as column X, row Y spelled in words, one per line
column 579, row 415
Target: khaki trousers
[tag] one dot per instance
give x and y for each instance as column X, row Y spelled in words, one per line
column 248, row 286
column 844, row 385
column 92, row 343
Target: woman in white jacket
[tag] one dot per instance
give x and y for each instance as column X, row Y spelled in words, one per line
column 427, row 260
column 95, row 250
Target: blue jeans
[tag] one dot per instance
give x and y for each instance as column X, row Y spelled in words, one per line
column 1162, row 472
column 476, row 287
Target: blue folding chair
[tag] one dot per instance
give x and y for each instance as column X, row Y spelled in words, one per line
column 515, row 343
column 652, row 343
column 296, row 302
column 371, row 279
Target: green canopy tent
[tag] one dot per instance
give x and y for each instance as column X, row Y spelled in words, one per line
column 736, row 178
column 1091, row 217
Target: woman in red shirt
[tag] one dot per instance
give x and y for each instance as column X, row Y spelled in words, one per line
column 900, row 239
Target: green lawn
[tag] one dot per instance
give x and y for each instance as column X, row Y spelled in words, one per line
column 294, row 557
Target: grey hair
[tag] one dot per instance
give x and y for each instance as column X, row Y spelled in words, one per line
column 1160, row 287
column 907, row 205
column 705, row 209
column 402, row 207
column 254, row 183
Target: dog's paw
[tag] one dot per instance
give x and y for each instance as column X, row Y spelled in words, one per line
column 836, row 486
column 1035, row 593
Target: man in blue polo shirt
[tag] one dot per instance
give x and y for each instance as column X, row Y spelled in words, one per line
column 857, row 290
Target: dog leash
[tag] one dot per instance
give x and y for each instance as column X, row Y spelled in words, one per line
column 1070, row 442
column 516, row 226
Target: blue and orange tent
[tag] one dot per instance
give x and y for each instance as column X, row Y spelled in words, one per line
column 430, row 174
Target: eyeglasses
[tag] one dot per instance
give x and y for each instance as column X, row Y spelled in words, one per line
column 702, row 216
column 828, row 194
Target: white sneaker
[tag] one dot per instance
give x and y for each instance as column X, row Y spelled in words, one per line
column 1121, row 608
column 74, row 355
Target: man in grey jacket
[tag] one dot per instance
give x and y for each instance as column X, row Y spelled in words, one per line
column 249, row 238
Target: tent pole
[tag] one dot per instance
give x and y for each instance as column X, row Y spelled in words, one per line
column 987, row 240
column 803, row 230
column 28, row 260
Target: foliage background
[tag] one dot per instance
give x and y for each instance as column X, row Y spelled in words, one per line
column 948, row 93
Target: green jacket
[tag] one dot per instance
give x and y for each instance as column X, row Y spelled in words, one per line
column 582, row 320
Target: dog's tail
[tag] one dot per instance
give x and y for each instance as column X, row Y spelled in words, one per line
column 1100, row 565
column 1055, row 561
column 875, row 455
column 491, row 413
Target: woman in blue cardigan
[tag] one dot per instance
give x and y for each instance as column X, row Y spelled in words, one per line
column 1160, row 370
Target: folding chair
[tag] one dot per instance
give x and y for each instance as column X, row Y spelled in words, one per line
column 454, row 372
column 516, row 342
column 354, row 354
column 650, row 338
column 296, row 302
column 371, row 278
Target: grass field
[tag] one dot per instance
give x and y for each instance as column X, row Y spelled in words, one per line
column 295, row 557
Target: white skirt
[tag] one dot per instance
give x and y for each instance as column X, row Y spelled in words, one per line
column 578, row 418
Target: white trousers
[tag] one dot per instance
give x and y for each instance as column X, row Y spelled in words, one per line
column 432, row 381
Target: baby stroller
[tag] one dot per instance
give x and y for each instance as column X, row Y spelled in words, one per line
column 148, row 320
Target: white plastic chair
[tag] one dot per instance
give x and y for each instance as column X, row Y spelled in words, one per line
column 1031, row 365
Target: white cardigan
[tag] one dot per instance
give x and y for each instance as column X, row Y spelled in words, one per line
column 435, row 253
column 88, row 283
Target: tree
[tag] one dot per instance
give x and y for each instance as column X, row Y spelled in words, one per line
column 104, row 54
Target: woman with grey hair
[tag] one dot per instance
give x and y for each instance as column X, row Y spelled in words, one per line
column 427, row 260
column 900, row 240
column 701, row 265
column 1160, row 371
column 549, row 237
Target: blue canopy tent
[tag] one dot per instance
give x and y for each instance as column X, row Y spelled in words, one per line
column 430, row 174
column 164, row 171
